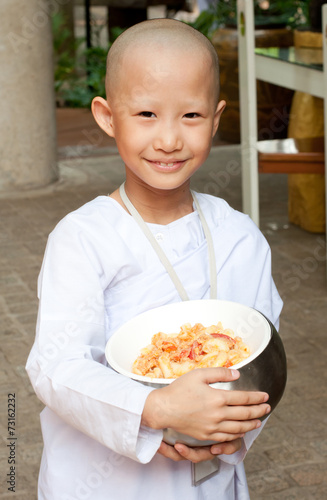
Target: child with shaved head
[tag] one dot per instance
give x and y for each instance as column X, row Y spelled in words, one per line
column 103, row 433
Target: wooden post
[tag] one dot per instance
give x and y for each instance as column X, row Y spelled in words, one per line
column 248, row 102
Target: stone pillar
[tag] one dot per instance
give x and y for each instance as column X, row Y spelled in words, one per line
column 27, row 118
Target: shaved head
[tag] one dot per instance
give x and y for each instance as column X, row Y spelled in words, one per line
column 158, row 35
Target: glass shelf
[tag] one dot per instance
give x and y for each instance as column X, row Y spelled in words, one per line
column 307, row 57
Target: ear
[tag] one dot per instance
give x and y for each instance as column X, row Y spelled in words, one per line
column 103, row 115
column 216, row 119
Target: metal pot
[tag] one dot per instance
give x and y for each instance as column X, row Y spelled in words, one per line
column 264, row 370
column 267, row 373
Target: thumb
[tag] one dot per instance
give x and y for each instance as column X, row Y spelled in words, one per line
column 212, row 375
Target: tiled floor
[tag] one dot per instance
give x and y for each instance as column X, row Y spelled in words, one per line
column 289, row 460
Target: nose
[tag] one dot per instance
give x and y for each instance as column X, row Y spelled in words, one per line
column 168, row 139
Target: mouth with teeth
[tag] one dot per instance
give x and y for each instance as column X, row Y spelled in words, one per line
column 167, row 166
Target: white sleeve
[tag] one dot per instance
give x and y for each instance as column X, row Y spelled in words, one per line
column 67, row 364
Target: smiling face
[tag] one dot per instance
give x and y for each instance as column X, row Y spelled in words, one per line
column 162, row 111
column 164, row 116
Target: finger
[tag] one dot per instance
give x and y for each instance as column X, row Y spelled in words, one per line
column 227, row 448
column 234, row 427
column 243, row 413
column 222, row 437
column 212, row 375
column 194, row 455
column 243, row 398
column 228, row 431
column 169, row 452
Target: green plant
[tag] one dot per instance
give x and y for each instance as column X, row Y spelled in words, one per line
column 79, row 72
column 86, row 80
column 267, row 12
column 64, row 53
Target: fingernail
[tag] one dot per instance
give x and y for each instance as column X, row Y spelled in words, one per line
column 268, row 410
column 235, row 373
column 258, row 425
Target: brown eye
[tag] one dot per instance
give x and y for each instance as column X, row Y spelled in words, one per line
column 147, row 114
column 192, row 115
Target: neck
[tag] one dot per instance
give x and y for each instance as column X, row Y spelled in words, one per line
column 160, row 206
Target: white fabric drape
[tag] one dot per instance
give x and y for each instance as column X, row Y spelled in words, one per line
column 99, row 271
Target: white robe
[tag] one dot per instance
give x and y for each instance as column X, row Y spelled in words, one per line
column 99, row 270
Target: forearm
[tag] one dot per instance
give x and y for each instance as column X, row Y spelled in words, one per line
column 97, row 401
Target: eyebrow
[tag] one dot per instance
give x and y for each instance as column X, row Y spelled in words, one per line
column 148, row 102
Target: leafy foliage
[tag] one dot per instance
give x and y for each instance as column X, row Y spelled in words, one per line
column 79, row 73
column 64, row 60
column 291, row 13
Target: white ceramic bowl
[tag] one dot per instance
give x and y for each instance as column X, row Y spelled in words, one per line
column 264, row 370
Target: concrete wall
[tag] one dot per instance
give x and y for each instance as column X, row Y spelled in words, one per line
column 27, row 101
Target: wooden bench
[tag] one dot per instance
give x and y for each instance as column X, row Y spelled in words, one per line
column 292, row 156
